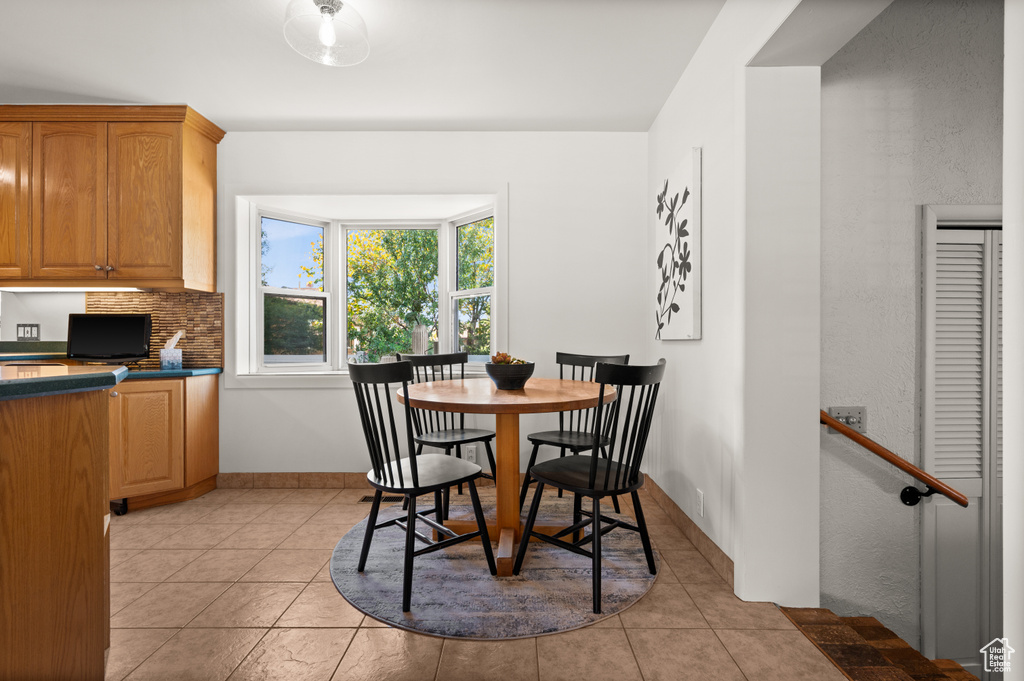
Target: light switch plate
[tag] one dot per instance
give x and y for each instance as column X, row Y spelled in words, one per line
column 854, row 417
column 28, row 332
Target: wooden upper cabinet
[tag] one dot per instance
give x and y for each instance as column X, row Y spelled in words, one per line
column 115, row 195
column 69, row 200
column 15, row 199
column 144, row 200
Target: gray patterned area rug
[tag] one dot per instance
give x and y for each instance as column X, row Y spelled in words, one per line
column 453, row 594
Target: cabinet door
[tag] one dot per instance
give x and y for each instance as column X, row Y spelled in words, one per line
column 202, row 429
column 69, row 200
column 146, row 437
column 15, row 171
column 144, row 200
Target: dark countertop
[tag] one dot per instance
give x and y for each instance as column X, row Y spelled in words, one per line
column 132, row 373
column 18, row 382
column 26, row 356
column 176, row 373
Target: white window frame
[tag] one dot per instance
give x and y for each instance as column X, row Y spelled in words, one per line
column 455, row 293
column 345, row 226
column 257, row 358
column 246, row 345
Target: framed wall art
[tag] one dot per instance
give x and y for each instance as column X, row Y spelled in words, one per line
column 678, row 258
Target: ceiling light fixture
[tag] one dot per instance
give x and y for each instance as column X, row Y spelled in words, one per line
column 326, row 31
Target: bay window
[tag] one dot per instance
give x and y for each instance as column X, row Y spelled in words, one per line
column 332, row 292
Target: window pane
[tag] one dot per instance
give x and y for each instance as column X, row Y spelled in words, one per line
column 392, row 293
column 293, row 329
column 474, row 327
column 476, row 255
column 292, row 255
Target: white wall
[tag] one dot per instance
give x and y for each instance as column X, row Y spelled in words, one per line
column 911, row 114
column 49, row 310
column 577, row 255
column 776, row 472
column 704, row 440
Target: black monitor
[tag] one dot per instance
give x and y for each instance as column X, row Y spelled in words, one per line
column 110, row 338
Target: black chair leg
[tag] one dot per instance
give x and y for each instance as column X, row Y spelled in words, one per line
column 528, row 479
column 531, row 518
column 458, row 455
column 597, row 555
column 410, row 545
column 490, row 460
column 644, row 537
column 577, row 515
column 370, row 523
column 446, row 496
column 481, row 523
column 439, row 506
column 561, row 455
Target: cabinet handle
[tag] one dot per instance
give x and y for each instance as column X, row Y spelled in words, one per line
column 110, row 268
column 113, row 393
column 99, row 267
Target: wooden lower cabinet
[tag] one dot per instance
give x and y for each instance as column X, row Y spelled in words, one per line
column 163, row 439
column 54, row 556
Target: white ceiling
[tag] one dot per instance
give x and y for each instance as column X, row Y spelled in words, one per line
column 434, row 64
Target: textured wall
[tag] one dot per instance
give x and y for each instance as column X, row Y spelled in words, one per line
column 911, row 115
column 200, row 315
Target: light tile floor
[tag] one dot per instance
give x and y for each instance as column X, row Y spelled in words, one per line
column 235, row 585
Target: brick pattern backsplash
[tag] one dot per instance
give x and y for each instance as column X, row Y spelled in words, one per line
column 200, row 314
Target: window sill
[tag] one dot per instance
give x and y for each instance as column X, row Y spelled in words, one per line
column 305, row 380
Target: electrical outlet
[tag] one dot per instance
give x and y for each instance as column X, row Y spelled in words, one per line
column 28, row 332
column 469, row 453
column 854, row 417
column 700, row 503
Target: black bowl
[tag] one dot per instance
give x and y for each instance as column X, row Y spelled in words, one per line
column 509, row 376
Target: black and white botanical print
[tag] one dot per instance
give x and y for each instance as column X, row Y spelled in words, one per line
column 677, row 224
column 674, row 257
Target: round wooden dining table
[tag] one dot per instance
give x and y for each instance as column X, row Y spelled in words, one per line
column 479, row 396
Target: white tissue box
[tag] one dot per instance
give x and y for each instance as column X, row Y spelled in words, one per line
column 170, row 360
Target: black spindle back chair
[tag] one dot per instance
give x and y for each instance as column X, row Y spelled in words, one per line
column 442, row 429
column 375, row 387
column 628, row 420
column 574, row 427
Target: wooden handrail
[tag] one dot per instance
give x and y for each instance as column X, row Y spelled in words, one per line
column 904, row 465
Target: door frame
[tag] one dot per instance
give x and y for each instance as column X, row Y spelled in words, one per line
column 932, row 217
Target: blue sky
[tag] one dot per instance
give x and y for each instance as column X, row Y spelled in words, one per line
column 289, row 249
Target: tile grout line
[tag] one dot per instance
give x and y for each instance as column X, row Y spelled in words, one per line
column 440, row 656
column 536, row 649
column 729, row 653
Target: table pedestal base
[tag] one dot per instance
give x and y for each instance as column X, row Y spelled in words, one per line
column 506, row 538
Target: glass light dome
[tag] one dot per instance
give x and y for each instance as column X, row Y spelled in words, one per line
column 329, row 32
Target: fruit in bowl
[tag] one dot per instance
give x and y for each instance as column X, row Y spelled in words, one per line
column 507, row 372
column 505, row 358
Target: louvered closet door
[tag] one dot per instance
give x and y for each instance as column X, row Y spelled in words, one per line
column 961, row 435
column 959, row 336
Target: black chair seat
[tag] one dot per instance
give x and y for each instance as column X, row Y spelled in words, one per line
column 572, row 473
column 574, row 440
column 436, row 471
column 453, row 436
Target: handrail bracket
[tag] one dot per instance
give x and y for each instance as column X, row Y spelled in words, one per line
column 911, row 495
